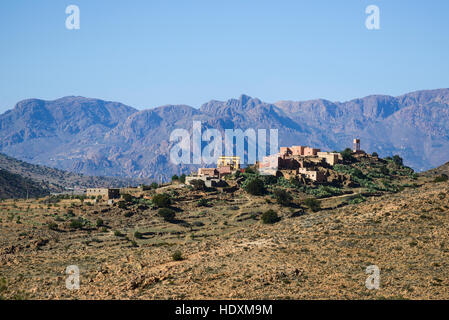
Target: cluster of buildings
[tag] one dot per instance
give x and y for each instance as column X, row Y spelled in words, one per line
column 212, row 177
column 302, row 162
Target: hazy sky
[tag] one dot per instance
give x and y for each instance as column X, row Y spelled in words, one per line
column 148, row 53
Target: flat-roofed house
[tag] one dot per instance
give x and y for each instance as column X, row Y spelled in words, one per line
column 105, row 193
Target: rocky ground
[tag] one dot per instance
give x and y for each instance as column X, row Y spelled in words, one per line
column 227, row 253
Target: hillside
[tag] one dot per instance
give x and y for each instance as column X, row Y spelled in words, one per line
column 54, row 180
column 441, row 170
column 217, row 247
column 15, row 186
column 96, row 137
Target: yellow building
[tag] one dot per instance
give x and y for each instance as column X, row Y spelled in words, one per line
column 229, row 161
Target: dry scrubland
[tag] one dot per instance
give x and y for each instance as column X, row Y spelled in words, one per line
column 226, row 251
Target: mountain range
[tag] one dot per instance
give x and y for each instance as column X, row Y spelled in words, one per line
column 102, row 138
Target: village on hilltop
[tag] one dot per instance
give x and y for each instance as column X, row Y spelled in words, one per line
column 305, row 164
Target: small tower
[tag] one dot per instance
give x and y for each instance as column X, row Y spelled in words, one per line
column 356, row 145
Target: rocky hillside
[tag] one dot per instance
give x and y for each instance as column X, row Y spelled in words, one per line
column 217, row 246
column 48, row 179
column 96, row 137
column 15, row 186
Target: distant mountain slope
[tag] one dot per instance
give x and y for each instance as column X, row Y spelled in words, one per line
column 96, row 137
column 15, row 186
column 54, row 180
column 444, row 169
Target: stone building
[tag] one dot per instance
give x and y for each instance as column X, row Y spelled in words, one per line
column 105, row 193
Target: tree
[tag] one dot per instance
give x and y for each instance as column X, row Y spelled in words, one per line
column 398, row 160
column 198, row 185
column 177, row 256
column 282, row 197
column 174, row 178
column 182, row 178
column 138, row 235
column 161, row 200
column 347, row 155
column 270, row 217
column 167, row 214
column 255, row 187
column 375, row 154
column 127, row 197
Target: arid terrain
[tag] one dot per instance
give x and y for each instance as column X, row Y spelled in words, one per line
column 227, row 252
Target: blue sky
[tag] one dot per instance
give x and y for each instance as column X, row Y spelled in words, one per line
column 148, row 53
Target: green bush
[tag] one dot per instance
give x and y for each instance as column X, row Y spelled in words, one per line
column 198, row 185
column 282, row 197
column 177, row 256
column 270, row 217
column 122, row 205
column 313, row 204
column 203, row 202
column 99, row 223
column 127, row 197
column 154, row 185
column 442, row 178
column 161, row 200
column 76, row 224
column 182, row 178
column 254, row 186
column 175, row 178
column 324, row 191
column 53, row 226
column 118, row 234
column 167, row 214
column 398, row 160
column 347, row 155
column 138, row 235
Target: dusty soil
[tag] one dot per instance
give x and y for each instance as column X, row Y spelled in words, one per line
column 227, row 252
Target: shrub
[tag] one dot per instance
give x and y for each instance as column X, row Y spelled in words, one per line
column 347, row 155
column 255, row 187
column 99, row 223
column 269, row 217
column 177, row 256
column 282, row 197
column 313, row 204
column 375, row 154
column 127, row 197
column 129, row 214
column 203, row 203
column 167, row 214
column 76, row 224
column 182, row 178
column 154, row 185
column 175, row 178
column 122, row 205
column 198, row 185
column 161, row 200
column 118, row 234
column 138, row 235
column 237, row 174
column 441, row 178
column 53, row 226
column 398, row 160
column 134, row 244
column 250, row 170
column 324, row 191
